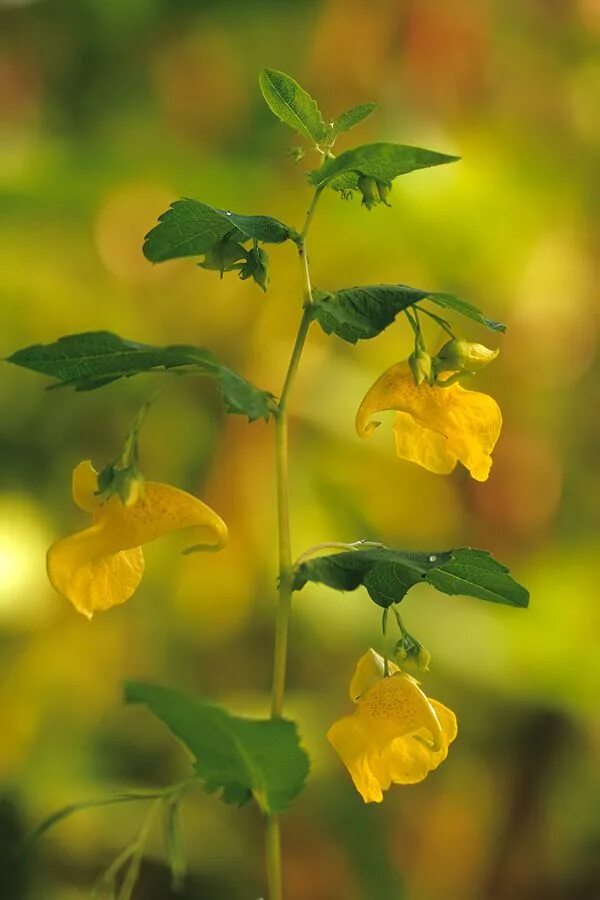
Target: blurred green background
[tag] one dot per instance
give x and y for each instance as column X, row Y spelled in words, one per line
column 108, row 111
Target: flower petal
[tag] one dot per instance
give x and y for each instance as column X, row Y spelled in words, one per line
column 85, row 485
column 92, row 580
column 369, row 669
column 467, row 421
column 423, row 446
column 396, row 706
column 348, row 738
column 161, row 510
column 447, row 720
column 410, row 760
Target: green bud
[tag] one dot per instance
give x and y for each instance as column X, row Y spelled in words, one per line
column 463, row 356
column 105, row 481
column 126, row 483
column 384, row 190
column 420, row 366
column 369, row 190
column 256, row 267
column 223, row 256
column 410, row 654
column 297, row 153
column 129, row 484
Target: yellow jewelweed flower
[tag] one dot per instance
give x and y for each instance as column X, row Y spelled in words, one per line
column 437, row 426
column 102, row 565
column 396, row 735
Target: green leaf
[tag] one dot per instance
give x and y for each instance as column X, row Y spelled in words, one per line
column 476, row 573
column 189, row 228
column 244, row 758
column 292, row 104
column 382, row 161
column 448, row 301
column 389, row 574
column 360, row 313
column 93, row 359
column 352, row 117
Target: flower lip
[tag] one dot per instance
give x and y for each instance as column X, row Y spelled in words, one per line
column 102, row 566
column 435, row 426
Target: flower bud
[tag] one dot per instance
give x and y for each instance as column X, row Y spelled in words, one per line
column 463, row 356
column 384, row 190
column 124, row 481
column 369, row 189
column 129, row 484
column 256, row 267
column 420, row 365
column 410, row 654
column 223, row 256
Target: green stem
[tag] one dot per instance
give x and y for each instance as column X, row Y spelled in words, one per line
column 386, row 654
column 399, row 621
column 133, row 872
column 438, row 319
column 273, row 857
column 282, row 625
column 311, row 212
column 337, row 545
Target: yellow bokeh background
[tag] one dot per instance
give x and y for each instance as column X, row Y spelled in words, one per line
column 107, row 113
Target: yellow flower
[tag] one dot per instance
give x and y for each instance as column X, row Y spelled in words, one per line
column 102, row 565
column 396, row 735
column 435, row 427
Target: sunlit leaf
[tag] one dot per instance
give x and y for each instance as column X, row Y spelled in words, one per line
column 292, row 104
column 476, row 573
column 381, row 161
column 448, row 301
column 241, row 757
column 93, row 359
column 189, row 228
column 389, row 574
column 352, row 117
column 360, row 313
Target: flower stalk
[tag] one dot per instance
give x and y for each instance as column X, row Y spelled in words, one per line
column 282, row 625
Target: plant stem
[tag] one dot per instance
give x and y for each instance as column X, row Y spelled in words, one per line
column 337, row 545
column 273, row 836
column 273, row 857
column 281, row 452
column 132, row 874
column 384, row 628
column 311, row 212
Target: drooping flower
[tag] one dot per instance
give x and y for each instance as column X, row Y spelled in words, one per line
column 102, row 566
column 435, row 426
column 396, row 735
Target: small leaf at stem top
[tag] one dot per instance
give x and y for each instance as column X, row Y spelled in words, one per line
column 352, row 117
column 292, row 105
